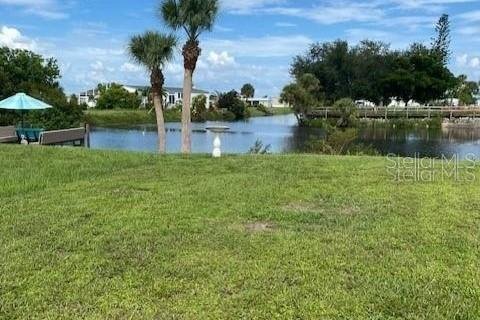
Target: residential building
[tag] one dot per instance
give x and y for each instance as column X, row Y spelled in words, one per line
column 401, row 104
column 365, row 104
column 89, row 98
column 477, row 99
column 173, row 95
column 269, row 102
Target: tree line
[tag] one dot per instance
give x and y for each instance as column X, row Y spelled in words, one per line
column 373, row 71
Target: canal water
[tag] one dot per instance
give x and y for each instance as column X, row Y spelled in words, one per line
column 284, row 136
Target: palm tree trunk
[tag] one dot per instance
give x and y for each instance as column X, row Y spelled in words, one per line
column 186, row 113
column 158, row 104
column 157, row 80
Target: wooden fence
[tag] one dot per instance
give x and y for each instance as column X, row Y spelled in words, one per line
column 407, row 113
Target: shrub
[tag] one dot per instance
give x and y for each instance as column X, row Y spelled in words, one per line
column 199, row 110
column 348, row 112
column 231, row 101
column 214, row 115
column 265, row 110
column 61, row 117
column 339, row 142
column 116, row 97
column 229, row 116
column 260, row 148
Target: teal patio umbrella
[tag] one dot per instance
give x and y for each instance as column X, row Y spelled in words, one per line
column 22, row 102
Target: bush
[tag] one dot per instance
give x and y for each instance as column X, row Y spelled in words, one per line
column 229, row 116
column 214, row 115
column 116, row 97
column 320, row 123
column 260, row 148
column 199, row 108
column 61, row 117
column 339, row 142
column 348, row 112
column 231, row 101
column 265, row 110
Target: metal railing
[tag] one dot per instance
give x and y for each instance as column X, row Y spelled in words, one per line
column 426, row 112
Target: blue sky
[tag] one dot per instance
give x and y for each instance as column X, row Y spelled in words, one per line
column 253, row 41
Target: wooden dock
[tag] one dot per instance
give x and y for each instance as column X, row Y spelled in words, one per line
column 404, row 113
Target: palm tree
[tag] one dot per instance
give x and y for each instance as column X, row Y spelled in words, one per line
column 153, row 50
column 195, row 17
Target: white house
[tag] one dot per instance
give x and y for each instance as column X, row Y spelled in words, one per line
column 477, row 99
column 174, row 96
column 269, row 102
column 364, row 104
column 89, row 98
column 401, row 104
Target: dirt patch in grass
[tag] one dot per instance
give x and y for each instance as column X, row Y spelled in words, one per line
column 260, row 227
column 350, row 209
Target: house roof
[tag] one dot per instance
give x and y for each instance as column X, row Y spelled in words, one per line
column 259, row 99
column 168, row 89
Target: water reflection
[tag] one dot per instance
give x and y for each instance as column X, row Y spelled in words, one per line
column 283, row 134
column 433, row 142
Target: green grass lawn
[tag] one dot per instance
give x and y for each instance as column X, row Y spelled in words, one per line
column 106, row 235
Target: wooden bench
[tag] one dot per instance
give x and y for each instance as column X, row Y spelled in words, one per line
column 60, row 137
column 8, row 134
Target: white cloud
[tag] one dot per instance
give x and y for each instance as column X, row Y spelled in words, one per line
column 130, row 67
column 469, row 31
column 462, row 60
column 468, row 61
column 261, row 47
column 475, row 62
column 97, row 66
column 471, row 16
column 330, row 12
column 222, row 29
column 432, row 6
column 411, row 23
column 285, row 24
column 220, row 59
column 333, row 12
column 246, row 6
column 13, row 38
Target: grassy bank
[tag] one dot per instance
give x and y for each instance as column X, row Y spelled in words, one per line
column 105, row 235
column 382, row 123
column 106, row 118
column 255, row 112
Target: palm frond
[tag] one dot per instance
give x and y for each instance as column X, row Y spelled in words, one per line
column 152, row 49
column 194, row 16
column 169, row 12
